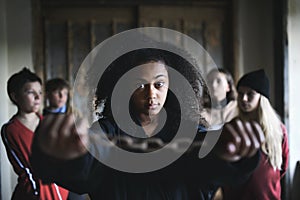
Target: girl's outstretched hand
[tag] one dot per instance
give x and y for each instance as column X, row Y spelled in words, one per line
column 239, row 140
column 59, row 136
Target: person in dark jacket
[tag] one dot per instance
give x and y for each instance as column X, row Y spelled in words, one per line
column 146, row 144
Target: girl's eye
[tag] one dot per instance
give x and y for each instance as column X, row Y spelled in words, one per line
column 159, row 84
column 251, row 94
column 140, row 86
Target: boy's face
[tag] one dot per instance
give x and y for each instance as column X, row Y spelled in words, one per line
column 152, row 83
column 58, row 98
column 30, row 97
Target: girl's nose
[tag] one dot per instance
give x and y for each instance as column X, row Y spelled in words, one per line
column 214, row 84
column 151, row 91
column 245, row 97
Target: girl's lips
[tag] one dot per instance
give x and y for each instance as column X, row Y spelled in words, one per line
column 152, row 106
column 245, row 106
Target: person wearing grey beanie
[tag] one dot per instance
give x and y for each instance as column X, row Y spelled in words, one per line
column 258, row 81
column 254, row 105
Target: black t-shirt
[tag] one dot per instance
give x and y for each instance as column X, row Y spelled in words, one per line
column 186, row 178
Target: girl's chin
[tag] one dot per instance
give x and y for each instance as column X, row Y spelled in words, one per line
column 151, row 113
column 155, row 110
column 246, row 110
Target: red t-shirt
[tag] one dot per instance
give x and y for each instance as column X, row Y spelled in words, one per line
column 264, row 183
column 17, row 139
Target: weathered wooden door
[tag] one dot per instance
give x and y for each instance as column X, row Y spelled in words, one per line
column 69, row 33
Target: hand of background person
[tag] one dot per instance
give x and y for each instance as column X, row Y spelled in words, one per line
column 239, row 140
column 58, row 136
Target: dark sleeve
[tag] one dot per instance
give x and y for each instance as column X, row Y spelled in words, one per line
column 285, row 151
column 215, row 171
column 81, row 175
column 211, row 169
column 72, row 174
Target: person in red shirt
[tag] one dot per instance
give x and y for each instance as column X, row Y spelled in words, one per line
column 25, row 91
column 254, row 105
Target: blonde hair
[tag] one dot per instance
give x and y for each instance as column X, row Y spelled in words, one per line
column 271, row 126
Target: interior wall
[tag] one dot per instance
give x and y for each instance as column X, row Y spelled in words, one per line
column 15, row 52
column 293, row 82
column 5, row 168
column 254, row 37
column 254, row 47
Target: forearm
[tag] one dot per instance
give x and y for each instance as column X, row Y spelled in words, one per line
column 233, row 173
column 71, row 174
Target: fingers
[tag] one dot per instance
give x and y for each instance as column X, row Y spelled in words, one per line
column 47, row 132
column 65, row 126
column 229, row 143
column 60, row 137
column 245, row 138
column 79, row 133
column 255, row 144
column 240, row 139
column 259, row 132
column 233, row 137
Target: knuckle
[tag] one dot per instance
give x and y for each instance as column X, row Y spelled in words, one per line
column 247, row 143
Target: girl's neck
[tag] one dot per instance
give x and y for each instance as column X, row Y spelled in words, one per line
column 219, row 103
column 30, row 120
column 252, row 116
column 149, row 124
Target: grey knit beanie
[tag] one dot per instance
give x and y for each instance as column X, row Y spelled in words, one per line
column 256, row 80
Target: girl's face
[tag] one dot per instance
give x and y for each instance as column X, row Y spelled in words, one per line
column 29, row 98
column 218, row 86
column 152, row 83
column 248, row 99
column 58, row 98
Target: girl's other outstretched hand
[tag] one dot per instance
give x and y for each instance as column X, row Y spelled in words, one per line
column 59, row 136
column 239, row 140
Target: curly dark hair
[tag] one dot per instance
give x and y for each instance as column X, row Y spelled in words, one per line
column 126, row 62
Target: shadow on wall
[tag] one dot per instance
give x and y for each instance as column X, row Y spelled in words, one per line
column 296, row 183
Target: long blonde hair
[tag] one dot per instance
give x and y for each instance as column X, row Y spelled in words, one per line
column 271, row 126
